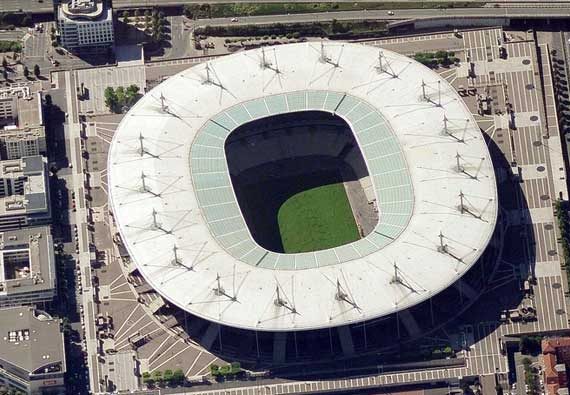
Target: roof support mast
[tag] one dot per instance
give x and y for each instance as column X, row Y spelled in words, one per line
column 143, row 150
column 384, row 65
column 399, row 279
column 326, row 59
column 266, row 64
column 280, row 302
column 163, row 106
column 145, row 187
column 429, row 99
column 341, row 295
column 444, row 248
column 156, row 225
column 220, row 291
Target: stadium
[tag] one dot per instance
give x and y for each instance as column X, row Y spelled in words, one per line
column 306, row 199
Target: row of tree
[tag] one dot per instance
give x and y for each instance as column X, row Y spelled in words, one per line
column 434, row 59
column 169, row 377
column 154, row 22
column 5, row 65
column 121, row 99
column 225, row 371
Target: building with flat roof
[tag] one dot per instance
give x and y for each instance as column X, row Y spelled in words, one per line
column 27, row 266
column 21, row 105
column 16, row 143
column 556, row 356
column 24, row 192
column 85, row 25
column 8, row 110
column 32, row 353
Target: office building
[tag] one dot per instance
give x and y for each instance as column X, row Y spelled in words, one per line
column 85, row 25
column 24, row 192
column 27, row 266
column 32, row 354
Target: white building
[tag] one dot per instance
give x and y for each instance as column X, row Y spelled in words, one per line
column 85, row 25
column 430, row 173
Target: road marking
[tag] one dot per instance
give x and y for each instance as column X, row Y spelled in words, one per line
column 174, row 356
column 194, row 363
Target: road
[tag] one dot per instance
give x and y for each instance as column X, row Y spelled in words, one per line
column 527, row 12
column 46, row 6
column 76, row 182
column 138, row 3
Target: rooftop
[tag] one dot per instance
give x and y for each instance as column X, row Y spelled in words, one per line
column 26, row 261
column 31, row 340
column 429, row 165
column 84, row 10
column 27, row 190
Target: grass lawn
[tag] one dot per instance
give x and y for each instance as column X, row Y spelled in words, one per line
column 317, row 219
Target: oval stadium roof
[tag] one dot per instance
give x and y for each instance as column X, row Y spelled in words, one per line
column 176, row 210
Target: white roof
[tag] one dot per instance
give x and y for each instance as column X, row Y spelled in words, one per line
column 422, row 151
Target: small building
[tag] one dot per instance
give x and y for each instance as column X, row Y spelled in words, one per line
column 556, row 356
column 85, row 25
column 24, row 192
column 32, row 354
column 27, row 266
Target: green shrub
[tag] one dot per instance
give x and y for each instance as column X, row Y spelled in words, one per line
column 10, row 46
column 235, row 367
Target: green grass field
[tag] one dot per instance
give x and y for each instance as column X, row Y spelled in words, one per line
column 317, row 219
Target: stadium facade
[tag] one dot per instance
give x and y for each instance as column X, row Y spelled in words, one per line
column 420, row 154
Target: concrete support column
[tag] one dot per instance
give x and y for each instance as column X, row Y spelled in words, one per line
column 279, row 347
column 410, row 323
column 346, row 340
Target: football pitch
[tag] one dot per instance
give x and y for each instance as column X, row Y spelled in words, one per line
column 317, row 219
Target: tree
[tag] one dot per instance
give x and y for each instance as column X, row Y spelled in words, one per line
column 111, row 98
column 26, row 72
column 178, row 376
column 137, row 13
column 530, row 345
column 120, row 94
column 157, row 376
column 168, row 374
column 131, row 95
column 37, row 71
column 147, row 379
